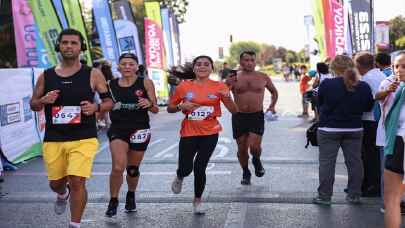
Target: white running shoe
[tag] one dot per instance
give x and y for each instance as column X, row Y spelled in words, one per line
column 177, row 185
column 60, row 203
column 197, row 208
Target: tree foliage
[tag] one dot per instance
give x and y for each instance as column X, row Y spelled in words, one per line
column 179, row 8
column 397, row 32
column 400, row 43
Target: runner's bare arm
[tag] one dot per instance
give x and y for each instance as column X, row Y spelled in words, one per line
column 100, row 85
column 230, row 81
column 150, row 89
column 228, row 102
column 38, row 99
column 274, row 94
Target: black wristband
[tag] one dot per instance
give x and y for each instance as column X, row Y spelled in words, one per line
column 178, row 107
column 98, row 107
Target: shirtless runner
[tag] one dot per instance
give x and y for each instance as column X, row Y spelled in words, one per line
column 248, row 87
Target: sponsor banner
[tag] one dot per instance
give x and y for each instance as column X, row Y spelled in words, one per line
column 382, row 34
column 348, row 35
column 126, row 29
column 167, row 37
column 73, row 12
column 61, row 12
column 362, row 25
column 27, row 38
column 108, row 42
column 328, row 23
column 156, row 76
column 18, row 134
column 319, row 26
column 175, row 39
column 127, row 37
column 338, row 30
column 138, row 11
column 48, row 25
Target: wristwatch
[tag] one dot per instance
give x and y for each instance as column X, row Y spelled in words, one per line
column 178, row 107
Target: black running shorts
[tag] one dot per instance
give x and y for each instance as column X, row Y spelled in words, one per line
column 395, row 162
column 137, row 139
column 244, row 123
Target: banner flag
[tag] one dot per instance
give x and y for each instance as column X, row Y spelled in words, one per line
column 126, row 29
column 18, row 135
column 382, row 35
column 105, row 28
column 61, row 13
column 26, row 36
column 48, row 25
column 319, row 26
column 75, row 20
column 154, row 49
column 362, row 25
column 176, row 39
column 167, row 34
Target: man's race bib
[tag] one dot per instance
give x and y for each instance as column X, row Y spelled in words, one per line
column 201, row 113
column 140, row 136
column 66, row 115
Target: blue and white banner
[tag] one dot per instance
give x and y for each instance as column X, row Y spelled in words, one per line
column 167, row 36
column 103, row 19
column 57, row 4
column 128, row 39
column 176, row 39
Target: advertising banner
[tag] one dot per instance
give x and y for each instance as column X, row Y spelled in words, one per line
column 18, row 135
column 338, row 29
column 126, row 29
column 319, row 26
column 362, row 25
column 154, row 48
column 175, row 38
column 27, row 41
column 73, row 13
column 39, row 116
column 382, row 34
column 48, row 25
column 138, row 11
column 108, row 42
column 61, row 12
column 167, row 37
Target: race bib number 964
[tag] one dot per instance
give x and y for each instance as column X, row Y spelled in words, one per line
column 201, row 113
column 140, row 136
column 66, row 114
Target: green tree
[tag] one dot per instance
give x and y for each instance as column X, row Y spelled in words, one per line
column 291, row 57
column 400, row 43
column 302, row 56
column 397, row 31
column 267, row 54
column 281, row 53
column 179, row 8
column 238, row 47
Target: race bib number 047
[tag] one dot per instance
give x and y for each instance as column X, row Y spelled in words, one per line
column 66, row 114
column 140, row 136
column 201, row 113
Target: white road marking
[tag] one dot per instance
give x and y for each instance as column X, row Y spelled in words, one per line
column 224, row 140
column 102, row 147
column 161, row 153
column 236, row 216
column 210, row 166
column 223, row 151
column 156, row 141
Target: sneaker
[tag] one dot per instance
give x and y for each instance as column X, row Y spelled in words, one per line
column 60, row 203
column 259, row 170
column 197, row 208
column 112, row 208
column 177, row 185
column 246, row 178
column 130, row 205
column 321, row 201
column 353, row 199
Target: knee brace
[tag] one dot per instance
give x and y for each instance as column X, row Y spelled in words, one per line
column 133, row 171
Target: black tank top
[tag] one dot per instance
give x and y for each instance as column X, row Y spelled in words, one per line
column 126, row 114
column 64, row 120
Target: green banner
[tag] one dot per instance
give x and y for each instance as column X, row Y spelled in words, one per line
column 319, row 26
column 73, row 12
column 48, row 25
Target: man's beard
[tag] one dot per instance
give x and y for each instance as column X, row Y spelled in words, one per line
column 69, row 56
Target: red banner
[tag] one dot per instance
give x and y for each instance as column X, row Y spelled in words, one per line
column 338, row 32
column 154, row 49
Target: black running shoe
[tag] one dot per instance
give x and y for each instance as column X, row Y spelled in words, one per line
column 259, row 170
column 246, row 178
column 130, row 205
column 112, row 208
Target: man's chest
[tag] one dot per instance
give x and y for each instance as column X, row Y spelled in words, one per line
column 255, row 85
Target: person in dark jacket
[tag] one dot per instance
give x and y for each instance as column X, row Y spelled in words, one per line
column 342, row 102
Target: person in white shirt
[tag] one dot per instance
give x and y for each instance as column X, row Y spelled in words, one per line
column 365, row 64
column 393, row 121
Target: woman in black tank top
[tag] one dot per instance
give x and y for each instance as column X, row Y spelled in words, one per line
column 129, row 133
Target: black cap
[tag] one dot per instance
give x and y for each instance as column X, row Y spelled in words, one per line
column 128, row 55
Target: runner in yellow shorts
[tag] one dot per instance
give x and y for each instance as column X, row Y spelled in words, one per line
column 66, row 92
